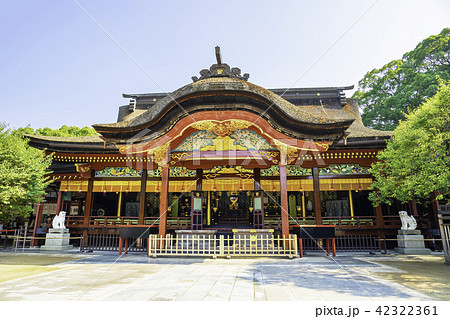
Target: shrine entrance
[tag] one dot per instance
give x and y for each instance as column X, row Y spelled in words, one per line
column 231, row 209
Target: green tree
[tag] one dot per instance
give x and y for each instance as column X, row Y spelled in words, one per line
column 416, row 160
column 63, row 131
column 22, row 170
column 385, row 95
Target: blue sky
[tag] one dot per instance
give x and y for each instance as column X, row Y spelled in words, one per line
column 58, row 67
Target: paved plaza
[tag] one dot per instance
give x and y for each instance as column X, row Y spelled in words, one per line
column 102, row 276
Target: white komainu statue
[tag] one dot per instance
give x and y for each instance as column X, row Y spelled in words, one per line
column 408, row 222
column 58, row 221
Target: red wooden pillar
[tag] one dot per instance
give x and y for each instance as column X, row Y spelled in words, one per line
column 412, row 204
column 60, row 201
column 88, row 206
column 379, row 216
column 284, row 202
column 163, row 205
column 316, row 188
column 435, row 206
column 141, row 217
column 257, row 178
column 198, row 186
column 37, row 222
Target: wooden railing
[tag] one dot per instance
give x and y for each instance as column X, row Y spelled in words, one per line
column 357, row 222
column 109, row 221
column 73, row 221
column 351, row 222
column 392, row 221
column 222, row 246
column 172, row 223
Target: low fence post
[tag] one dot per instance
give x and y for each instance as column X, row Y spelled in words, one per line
column 221, row 246
column 444, row 227
column 81, row 244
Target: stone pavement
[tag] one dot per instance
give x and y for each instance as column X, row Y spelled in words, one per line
column 100, row 276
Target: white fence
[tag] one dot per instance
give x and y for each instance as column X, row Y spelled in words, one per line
column 222, row 246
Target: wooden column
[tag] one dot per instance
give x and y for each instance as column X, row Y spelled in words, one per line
column 412, row 204
column 142, row 203
column 164, row 196
column 257, row 178
column 284, row 202
column 60, row 201
column 88, row 207
column 435, row 206
column 316, row 187
column 89, row 200
column 37, row 222
column 379, row 216
column 350, row 199
column 198, row 186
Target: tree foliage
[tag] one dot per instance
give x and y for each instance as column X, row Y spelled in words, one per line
column 416, row 160
column 62, row 131
column 399, row 87
column 22, row 169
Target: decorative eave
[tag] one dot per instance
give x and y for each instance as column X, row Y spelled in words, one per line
column 222, row 94
column 222, row 88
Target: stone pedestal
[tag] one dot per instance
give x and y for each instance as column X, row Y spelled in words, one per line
column 196, row 239
column 57, row 240
column 410, row 242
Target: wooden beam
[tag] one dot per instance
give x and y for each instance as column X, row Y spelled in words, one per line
column 142, row 196
column 164, row 196
column 316, row 187
column 284, row 203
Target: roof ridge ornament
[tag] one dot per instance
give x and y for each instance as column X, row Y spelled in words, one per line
column 221, row 70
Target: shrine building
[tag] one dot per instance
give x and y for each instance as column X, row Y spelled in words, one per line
column 304, row 151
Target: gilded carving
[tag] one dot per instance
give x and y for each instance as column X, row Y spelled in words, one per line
column 288, row 153
column 223, row 143
column 223, row 128
column 160, row 154
column 324, row 146
column 177, row 157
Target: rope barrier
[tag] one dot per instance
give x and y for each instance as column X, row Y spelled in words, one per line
column 389, row 239
column 30, row 237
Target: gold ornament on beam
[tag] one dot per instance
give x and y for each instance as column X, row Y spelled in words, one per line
column 222, row 128
column 223, row 143
column 287, row 152
column 160, row 154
